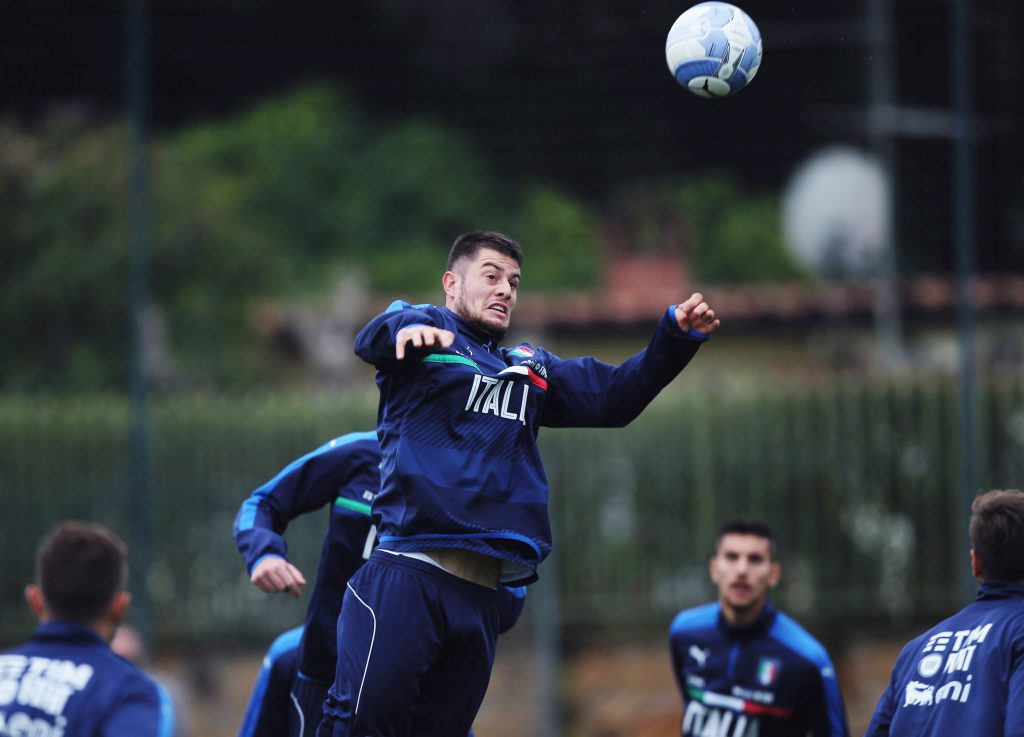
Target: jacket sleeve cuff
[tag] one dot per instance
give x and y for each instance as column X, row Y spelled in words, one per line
column 263, row 558
column 691, row 333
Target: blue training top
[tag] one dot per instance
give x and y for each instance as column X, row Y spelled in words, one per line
column 964, row 676
column 343, row 473
column 771, row 679
column 67, row 682
column 458, row 430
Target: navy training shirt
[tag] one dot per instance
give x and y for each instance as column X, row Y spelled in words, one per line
column 458, row 429
column 343, row 473
column 67, row 682
column 771, row 679
column 964, row 676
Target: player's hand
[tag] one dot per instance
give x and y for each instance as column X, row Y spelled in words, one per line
column 422, row 335
column 695, row 314
column 276, row 574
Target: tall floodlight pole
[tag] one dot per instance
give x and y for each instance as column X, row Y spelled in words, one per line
column 887, row 311
column 140, row 453
column 963, row 219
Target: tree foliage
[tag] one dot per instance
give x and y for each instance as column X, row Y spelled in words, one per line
column 737, row 236
column 276, row 203
column 279, row 203
column 726, row 234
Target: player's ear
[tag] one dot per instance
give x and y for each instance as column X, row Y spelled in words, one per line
column 34, row 599
column 450, row 282
column 774, row 575
column 118, row 607
column 976, row 565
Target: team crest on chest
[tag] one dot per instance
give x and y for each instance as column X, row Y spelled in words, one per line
column 768, row 671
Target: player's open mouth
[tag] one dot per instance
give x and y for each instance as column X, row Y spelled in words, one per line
column 498, row 308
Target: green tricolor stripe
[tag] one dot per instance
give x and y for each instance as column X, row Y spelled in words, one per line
column 449, row 358
column 734, row 703
column 353, row 505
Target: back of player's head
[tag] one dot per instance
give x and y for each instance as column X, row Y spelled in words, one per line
column 80, row 567
column 467, row 245
column 997, row 534
column 748, row 527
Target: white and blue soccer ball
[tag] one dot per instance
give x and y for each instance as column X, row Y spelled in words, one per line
column 713, row 49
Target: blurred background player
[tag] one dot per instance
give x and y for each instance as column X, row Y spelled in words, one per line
column 66, row 680
column 965, row 676
column 745, row 669
column 288, row 696
column 344, row 474
column 463, row 501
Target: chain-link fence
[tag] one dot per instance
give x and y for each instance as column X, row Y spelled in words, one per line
column 859, row 480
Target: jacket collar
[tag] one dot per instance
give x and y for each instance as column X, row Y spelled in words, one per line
column 760, row 626
column 67, row 631
column 994, row 589
column 488, row 341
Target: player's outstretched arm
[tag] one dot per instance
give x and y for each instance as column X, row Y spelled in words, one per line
column 419, row 336
column 696, row 314
column 276, row 574
column 587, row 392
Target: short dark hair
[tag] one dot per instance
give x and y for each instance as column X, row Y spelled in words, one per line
column 748, row 527
column 467, row 244
column 80, row 567
column 997, row 534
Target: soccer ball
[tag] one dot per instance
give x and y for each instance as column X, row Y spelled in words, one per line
column 713, row 49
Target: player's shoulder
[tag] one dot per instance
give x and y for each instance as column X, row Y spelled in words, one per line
column 958, row 621
column 423, row 312
column 285, row 642
column 336, row 455
column 17, row 649
column 797, row 639
column 353, row 441
column 124, row 677
column 695, row 619
column 400, row 305
column 132, row 688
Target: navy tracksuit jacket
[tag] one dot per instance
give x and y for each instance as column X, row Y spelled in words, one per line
column 771, row 679
column 458, row 430
column 67, row 682
column 964, row 677
column 343, row 473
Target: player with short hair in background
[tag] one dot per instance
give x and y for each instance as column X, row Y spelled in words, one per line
column 965, row 676
column 344, row 474
column 744, row 668
column 463, row 501
column 66, row 681
column 287, row 698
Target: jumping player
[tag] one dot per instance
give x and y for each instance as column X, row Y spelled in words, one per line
column 965, row 676
column 745, row 669
column 344, row 473
column 66, row 680
column 463, row 501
